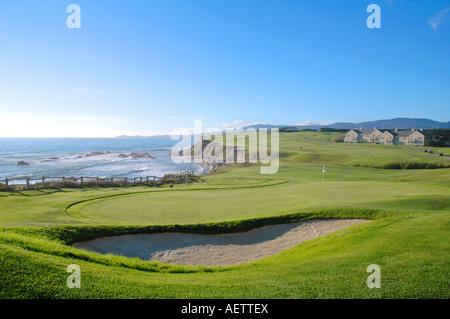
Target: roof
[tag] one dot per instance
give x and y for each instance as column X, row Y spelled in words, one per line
column 362, row 131
column 403, row 133
column 368, row 132
column 395, row 133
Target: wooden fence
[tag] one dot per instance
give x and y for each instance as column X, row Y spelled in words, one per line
column 95, row 181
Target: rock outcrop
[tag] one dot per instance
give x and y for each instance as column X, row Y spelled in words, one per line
column 136, row 155
column 209, row 147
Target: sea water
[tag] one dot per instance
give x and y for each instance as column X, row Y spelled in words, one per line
column 93, row 157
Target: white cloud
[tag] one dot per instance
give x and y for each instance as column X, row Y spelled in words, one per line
column 235, row 124
column 305, row 123
column 438, row 19
column 256, row 123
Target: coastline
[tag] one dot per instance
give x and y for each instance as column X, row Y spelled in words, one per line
column 42, row 157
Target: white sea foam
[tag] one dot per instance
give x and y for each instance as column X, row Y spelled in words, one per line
column 87, row 157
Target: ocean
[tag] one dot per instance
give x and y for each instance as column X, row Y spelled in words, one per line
column 102, row 157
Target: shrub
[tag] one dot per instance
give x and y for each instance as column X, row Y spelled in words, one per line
column 4, row 188
column 72, row 183
column 177, row 179
column 339, row 138
column 415, row 165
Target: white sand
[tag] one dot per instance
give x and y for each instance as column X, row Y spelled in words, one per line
column 216, row 250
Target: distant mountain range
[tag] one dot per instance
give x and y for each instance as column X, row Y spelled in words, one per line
column 399, row 123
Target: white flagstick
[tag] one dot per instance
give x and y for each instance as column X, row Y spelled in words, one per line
column 323, row 176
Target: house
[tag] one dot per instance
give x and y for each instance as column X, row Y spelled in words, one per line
column 416, row 138
column 411, row 137
column 387, row 138
column 395, row 137
column 371, row 136
column 363, row 136
column 352, row 136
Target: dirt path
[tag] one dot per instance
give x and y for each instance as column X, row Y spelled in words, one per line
column 216, row 250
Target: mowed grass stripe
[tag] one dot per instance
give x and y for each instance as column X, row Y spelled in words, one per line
column 74, row 209
column 229, row 204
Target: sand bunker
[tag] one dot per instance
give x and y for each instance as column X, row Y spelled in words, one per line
column 216, row 250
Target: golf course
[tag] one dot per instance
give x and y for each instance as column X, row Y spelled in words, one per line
column 402, row 192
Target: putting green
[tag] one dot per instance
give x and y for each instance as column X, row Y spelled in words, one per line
column 212, row 205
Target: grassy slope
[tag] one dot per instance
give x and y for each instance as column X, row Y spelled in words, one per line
column 320, row 151
column 411, row 245
column 333, row 266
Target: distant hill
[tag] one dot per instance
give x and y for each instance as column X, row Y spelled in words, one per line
column 400, row 123
column 267, row 126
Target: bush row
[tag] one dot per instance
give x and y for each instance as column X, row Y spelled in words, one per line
column 166, row 179
column 406, row 165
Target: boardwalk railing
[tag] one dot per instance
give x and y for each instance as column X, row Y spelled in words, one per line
column 82, row 181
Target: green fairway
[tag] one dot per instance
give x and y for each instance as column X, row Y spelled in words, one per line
column 229, row 204
column 408, row 239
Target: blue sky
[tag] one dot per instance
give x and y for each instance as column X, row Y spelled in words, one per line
column 145, row 67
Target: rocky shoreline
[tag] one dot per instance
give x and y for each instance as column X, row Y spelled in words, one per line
column 133, row 155
column 208, row 147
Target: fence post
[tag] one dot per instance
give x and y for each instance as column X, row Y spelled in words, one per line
column 81, row 181
column 112, row 179
column 28, row 183
column 43, row 180
column 6, row 181
column 96, row 181
column 126, row 180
